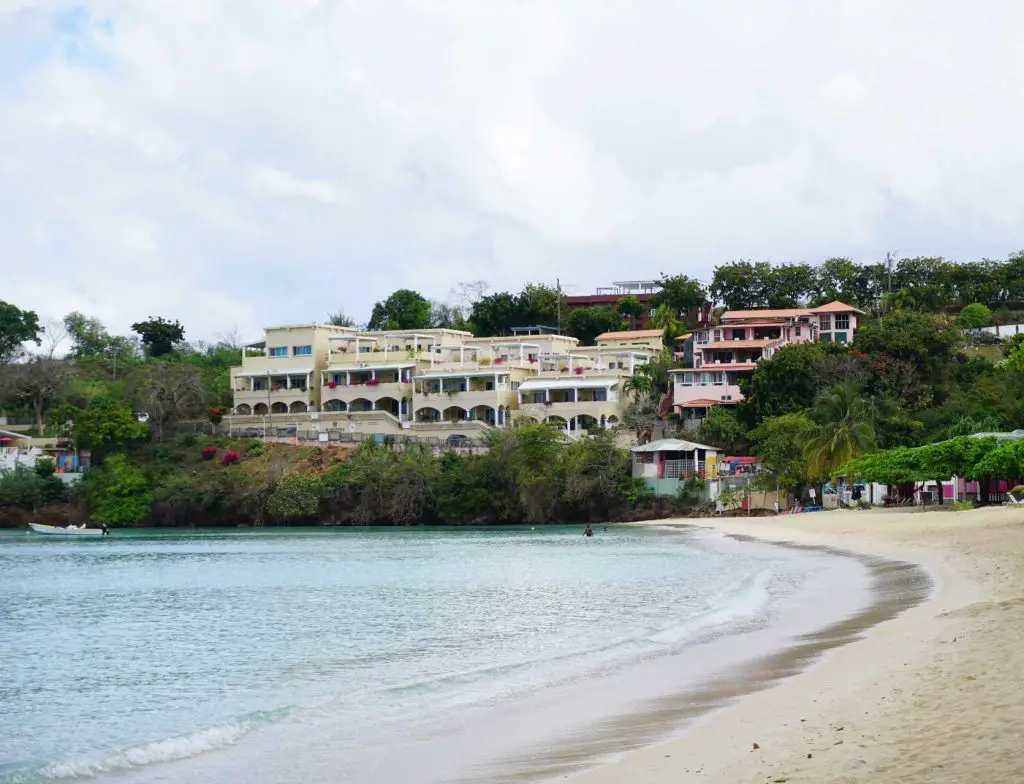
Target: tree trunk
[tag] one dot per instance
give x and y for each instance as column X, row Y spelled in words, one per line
column 938, row 483
column 39, row 406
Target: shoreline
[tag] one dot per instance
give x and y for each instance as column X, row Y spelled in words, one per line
column 931, row 694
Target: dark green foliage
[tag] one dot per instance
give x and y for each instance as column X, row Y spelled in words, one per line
column 404, row 309
column 587, row 323
column 680, row 293
column 16, row 327
column 159, row 335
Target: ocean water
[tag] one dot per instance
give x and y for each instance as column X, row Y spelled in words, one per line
column 370, row 655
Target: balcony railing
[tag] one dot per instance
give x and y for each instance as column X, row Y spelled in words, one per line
column 683, row 469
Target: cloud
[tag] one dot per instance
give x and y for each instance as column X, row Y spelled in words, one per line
column 236, row 163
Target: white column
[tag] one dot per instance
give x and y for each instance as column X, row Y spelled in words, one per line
column 385, row 349
column 440, row 385
column 521, row 357
column 462, row 356
column 570, row 363
column 348, row 378
column 547, row 395
column 632, row 361
column 288, row 381
column 373, row 375
column 467, row 383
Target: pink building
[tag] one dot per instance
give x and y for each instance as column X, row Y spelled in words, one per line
column 728, row 352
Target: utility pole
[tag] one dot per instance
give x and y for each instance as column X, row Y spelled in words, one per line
column 889, row 260
column 558, row 288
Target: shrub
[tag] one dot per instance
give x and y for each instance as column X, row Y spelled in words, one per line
column 961, row 506
column 638, row 491
column 1018, row 492
column 691, row 491
column 208, row 452
column 229, row 458
column 216, row 414
column 256, row 448
column 118, row 491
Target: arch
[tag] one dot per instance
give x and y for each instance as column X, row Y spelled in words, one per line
column 243, row 409
column 388, row 404
column 527, row 419
column 428, row 414
column 335, row 405
column 260, row 409
column 455, row 414
column 613, row 421
column 557, row 421
column 298, row 407
column 360, row 404
column 484, row 414
column 279, row 408
column 587, row 422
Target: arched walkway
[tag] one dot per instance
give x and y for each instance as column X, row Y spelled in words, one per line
column 428, row 415
column 243, row 409
column 613, row 421
column 335, row 405
column 454, row 414
column 260, row 409
column 587, row 422
column 484, row 414
column 279, row 408
column 388, row 404
column 360, row 404
column 298, row 407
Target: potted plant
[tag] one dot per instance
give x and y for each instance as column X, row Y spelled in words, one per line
column 579, row 371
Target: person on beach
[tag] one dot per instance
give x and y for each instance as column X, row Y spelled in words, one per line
column 589, row 531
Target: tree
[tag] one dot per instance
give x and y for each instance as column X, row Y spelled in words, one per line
column 16, row 327
column 107, row 424
column 629, row 308
column 540, row 304
column 844, row 428
column 640, row 383
column 789, row 285
column 339, row 319
column 37, row 384
column 681, row 294
column 169, row 393
column 779, row 442
column 494, row 314
column 404, row 309
column 923, row 339
column 741, row 285
column 785, row 383
column 89, row 337
column 665, row 319
column 974, row 316
column 722, row 429
column 298, row 495
column 641, row 416
column 159, row 335
column 587, row 323
column 446, row 316
column 118, row 491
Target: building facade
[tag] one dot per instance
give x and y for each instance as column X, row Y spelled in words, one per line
column 435, row 380
column 644, row 291
column 726, row 353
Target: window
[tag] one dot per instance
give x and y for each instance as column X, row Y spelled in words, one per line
column 702, row 337
column 705, row 378
column 515, row 385
column 826, row 337
column 718, row 378
column 825, row 323
column 798, row 331
column 302, row 351
column 488, row 386
column 396, row 348
column 651, row 312
column 365, row 349
column 688, row 379
column 279, row 351
column 257, row 384
column 718, row 336
column 840, row 337
column 842, row 320
column 600, row 395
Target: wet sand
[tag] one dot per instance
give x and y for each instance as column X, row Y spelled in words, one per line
column 924, row 686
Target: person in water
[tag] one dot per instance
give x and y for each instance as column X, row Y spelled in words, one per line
column 589, row 531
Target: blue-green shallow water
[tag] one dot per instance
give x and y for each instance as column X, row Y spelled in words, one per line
column 354, row 655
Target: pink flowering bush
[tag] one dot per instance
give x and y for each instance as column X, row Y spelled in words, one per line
column 229, row 458
column 209, row 452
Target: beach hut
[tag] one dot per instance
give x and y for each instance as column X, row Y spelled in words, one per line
column 665, row 463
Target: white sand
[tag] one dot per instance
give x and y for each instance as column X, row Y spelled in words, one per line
column 935, row 695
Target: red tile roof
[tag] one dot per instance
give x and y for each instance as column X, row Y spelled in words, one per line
column 703, row 402
column 836, row 307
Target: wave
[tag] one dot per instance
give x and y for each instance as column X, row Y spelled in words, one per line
column 168, row 750
column 748, row 604
column 751, row 602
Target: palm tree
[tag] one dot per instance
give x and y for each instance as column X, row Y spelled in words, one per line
column 844, row 428
column 640, row 383
column 665, row 318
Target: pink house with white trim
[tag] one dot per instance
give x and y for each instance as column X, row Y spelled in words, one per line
column 724, row 354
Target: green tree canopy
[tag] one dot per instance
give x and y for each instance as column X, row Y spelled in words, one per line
column 587, row 323
column 680, row 294
column 119, row 491
column 784, row 383
column 107, row 423
column 17, row 326
column 844, row 428
column 779, row 442
column 629, row 308
column 974, row 316
column 404, row 309
column 721, row 428
column 159, row 335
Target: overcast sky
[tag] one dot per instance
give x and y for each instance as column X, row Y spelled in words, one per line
column 235, row 163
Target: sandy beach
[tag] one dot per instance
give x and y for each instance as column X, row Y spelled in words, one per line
column 934, row 695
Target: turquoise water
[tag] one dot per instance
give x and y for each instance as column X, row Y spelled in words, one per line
column 359, row 655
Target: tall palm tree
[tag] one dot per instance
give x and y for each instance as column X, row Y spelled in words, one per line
column 844, row 428
column 640, row 383
column 665, row 319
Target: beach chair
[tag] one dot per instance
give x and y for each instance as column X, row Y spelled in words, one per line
column 1011, row 501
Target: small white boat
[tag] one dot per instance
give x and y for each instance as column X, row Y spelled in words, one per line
column 57, row 530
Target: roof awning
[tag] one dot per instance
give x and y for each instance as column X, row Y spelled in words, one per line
column 361, row 368
column 672, row 445
column 279, row 372
column 540, row 384
column 474, row 373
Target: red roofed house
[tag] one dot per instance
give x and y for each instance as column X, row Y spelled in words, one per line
column 724, row 354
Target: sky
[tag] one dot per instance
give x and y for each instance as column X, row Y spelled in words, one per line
column 239, row 163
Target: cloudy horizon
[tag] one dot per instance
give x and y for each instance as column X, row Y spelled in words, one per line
column 234, row 164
